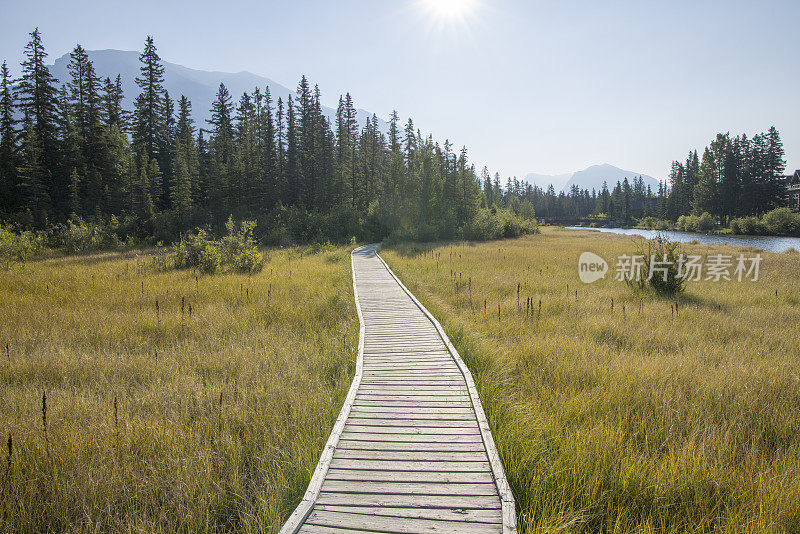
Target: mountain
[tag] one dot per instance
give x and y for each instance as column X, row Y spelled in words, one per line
column 594, row 176
column 199, row 86
column 590, row 178
column 545, row 180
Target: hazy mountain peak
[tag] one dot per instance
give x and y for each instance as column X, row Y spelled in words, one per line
column 589, row 178
column 199, row 86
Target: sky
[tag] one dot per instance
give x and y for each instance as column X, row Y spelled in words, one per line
column 527, row 85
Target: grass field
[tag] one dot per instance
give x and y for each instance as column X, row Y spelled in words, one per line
column 626, row 418
column 172, row 403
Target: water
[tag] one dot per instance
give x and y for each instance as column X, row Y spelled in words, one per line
column 768, row 243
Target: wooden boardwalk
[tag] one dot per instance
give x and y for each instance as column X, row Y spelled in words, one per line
column 411, row 450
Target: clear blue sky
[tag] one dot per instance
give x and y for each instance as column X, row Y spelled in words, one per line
column 527, row 85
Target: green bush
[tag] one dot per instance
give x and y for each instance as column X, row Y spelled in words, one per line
column 748, row 226
column 694, row 223
column 19, row 246
column 237, row 251
column 653, row 223
column 492, row 223
column 782, row 221
column 666, row 281
column 209, row 259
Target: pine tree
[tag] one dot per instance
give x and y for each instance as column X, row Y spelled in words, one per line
column 181, row 190
column 78, row 90
column 306, row 149
column 112, row 102
column 396, row 173
column 293, row 173
column 351, row 125
column 269, row 191
column 280, row 147
column 775, row 165
column 221, row 120
column 166, row 144
column 323, row 157
column 184, row 190
column 86, row 113
column 38, row 102
column 148, row 107
column 10, row 193
column 35, row 177
column 705, row 193
column 75, row 194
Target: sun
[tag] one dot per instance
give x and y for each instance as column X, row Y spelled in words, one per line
column 448, row 11
column 450, row 8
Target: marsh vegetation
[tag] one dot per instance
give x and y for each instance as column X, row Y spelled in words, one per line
column 142, row 399
column 616, row 408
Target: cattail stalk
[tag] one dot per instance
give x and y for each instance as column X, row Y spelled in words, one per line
column 220, row 413
column 44, row 417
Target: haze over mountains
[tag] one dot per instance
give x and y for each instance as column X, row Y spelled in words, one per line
column 199, row 86
column 589, row 178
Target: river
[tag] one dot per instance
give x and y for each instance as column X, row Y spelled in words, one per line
column 768, row 243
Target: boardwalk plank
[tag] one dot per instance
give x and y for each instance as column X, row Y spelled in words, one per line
column 389, row 524
column 478, row 516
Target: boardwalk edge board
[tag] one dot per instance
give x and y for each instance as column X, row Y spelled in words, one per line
column 303, row 510
column 506, row 496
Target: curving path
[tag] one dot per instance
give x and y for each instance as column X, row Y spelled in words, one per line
column 411, row 450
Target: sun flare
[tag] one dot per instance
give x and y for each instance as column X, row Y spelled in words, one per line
column 449, row 11
column 450, row 8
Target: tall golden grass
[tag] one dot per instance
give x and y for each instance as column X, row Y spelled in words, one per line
column 173, row 402
column 613, row 409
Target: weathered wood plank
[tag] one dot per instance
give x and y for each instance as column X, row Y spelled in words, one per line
column 410, row 488
column 439, row 477
column 473, row 446
column 456, row 514
column 421, row 411
column 421, row 456
column 409, row 465
column 388, row 524
column 413, row 438
column 408, row 422
column 405, row 429
column 475, row 502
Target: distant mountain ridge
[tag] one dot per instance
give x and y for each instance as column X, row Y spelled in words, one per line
column 589, row 178
column 199, row 86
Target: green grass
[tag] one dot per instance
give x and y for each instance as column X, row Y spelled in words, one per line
column 221, row 414
column 634, row 421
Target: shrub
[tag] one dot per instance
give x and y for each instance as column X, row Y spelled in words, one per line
column 666, row 281
column 19, row 246
column 693, row 223
column 237, row 251
column 705, row 223
column 209, row 259
column 497, row 223
column 748, row 226
column 782, row 221
column 653, row 223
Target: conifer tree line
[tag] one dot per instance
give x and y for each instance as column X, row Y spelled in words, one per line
column 735, row 177
column 71, row 151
